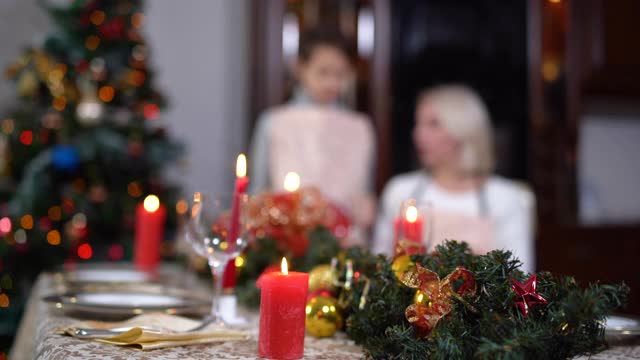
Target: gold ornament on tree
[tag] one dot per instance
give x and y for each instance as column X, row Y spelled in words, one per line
column 322, row 277
column 401, row 264
column 323, row 316
column 27, row 84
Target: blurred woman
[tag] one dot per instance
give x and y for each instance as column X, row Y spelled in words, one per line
column 316, row 135
column 454, row 142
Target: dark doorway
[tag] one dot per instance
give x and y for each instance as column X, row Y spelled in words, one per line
column 480, row 43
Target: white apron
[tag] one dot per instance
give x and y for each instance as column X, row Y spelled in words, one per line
column 440, row 225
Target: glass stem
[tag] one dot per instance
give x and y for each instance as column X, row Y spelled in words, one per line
column 217, row 270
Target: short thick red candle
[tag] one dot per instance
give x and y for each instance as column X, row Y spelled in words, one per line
column 408, row 228
column 149, row 231
column 283, row 298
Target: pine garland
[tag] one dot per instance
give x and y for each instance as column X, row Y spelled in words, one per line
column 489, row 326
column 569, row 325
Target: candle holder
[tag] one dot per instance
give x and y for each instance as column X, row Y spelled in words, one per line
column 413, row 227
column 209, row 232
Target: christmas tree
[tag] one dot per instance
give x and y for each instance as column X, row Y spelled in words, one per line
column 82, row 146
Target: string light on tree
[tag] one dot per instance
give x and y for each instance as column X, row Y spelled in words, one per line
column 85, row 251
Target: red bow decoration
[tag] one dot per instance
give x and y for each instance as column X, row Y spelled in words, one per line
column 527, row 295
column 439, row 292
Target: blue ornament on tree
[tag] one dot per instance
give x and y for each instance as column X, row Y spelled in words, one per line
column 65, row 157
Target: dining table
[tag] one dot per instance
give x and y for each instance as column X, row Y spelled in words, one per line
column 37, row 337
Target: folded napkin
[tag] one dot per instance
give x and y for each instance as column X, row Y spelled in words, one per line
column 155, row 331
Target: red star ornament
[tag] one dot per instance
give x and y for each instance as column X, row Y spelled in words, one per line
column 527, row 295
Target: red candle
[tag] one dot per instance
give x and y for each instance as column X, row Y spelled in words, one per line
column 409, row 227
column 229, row 280
column 149, row 231
column 282, row 313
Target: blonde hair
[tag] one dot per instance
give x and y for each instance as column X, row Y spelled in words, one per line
column 464, row 115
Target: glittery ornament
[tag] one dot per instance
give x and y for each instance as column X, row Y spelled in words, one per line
column 323, row 316
column 527, row 295
column 322, row 277
column 401, row 264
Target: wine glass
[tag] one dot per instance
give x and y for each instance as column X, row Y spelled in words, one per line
column 210, row 232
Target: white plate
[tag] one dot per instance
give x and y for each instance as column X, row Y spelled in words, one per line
column 622, row 325
column 128, row 300
column 108, row 276
column 122, row 299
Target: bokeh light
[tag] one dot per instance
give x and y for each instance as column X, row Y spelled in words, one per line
column 85, row 251
column 92, row 42
column 106, row 93
column 182, row 207
column 55, row 213
column 20, row 236
column 26, row 222
column 44, row 223
column 79, row 220
column 151, row 111
column 136, row 77
column 59, row 103
column 239, row 261
column 116, row 252
column 137, row 20
column 68, row 206
column 53, row 237
column 4, row 301
column 26, row 137
column 7, row 126
column 5, row 225
column 97, row 17
column 134, row 190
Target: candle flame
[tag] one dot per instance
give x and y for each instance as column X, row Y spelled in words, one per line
column 291, row 182
column 151, row 203
column 283, row 266
column 241, row 166
column 411, row 214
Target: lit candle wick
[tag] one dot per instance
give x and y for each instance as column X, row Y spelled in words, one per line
column 241, row 166
column 291, row 182
column 411, row 214
column 283, row 266
column 151, row 203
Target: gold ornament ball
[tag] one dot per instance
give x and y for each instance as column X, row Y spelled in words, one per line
column 401, row 264
column 421, row 299
column 323, row 316
column 321, row 277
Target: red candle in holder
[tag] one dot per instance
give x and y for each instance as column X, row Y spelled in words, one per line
column 242, row 181
column 408, row 227
column 282, row 313
column 149, row 231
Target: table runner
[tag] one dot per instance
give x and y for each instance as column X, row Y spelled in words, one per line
column 36, row 340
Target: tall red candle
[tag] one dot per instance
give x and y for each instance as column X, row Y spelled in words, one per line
column 242, row 181
column 408, row 227
column 149, row 231
column 282, row 314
